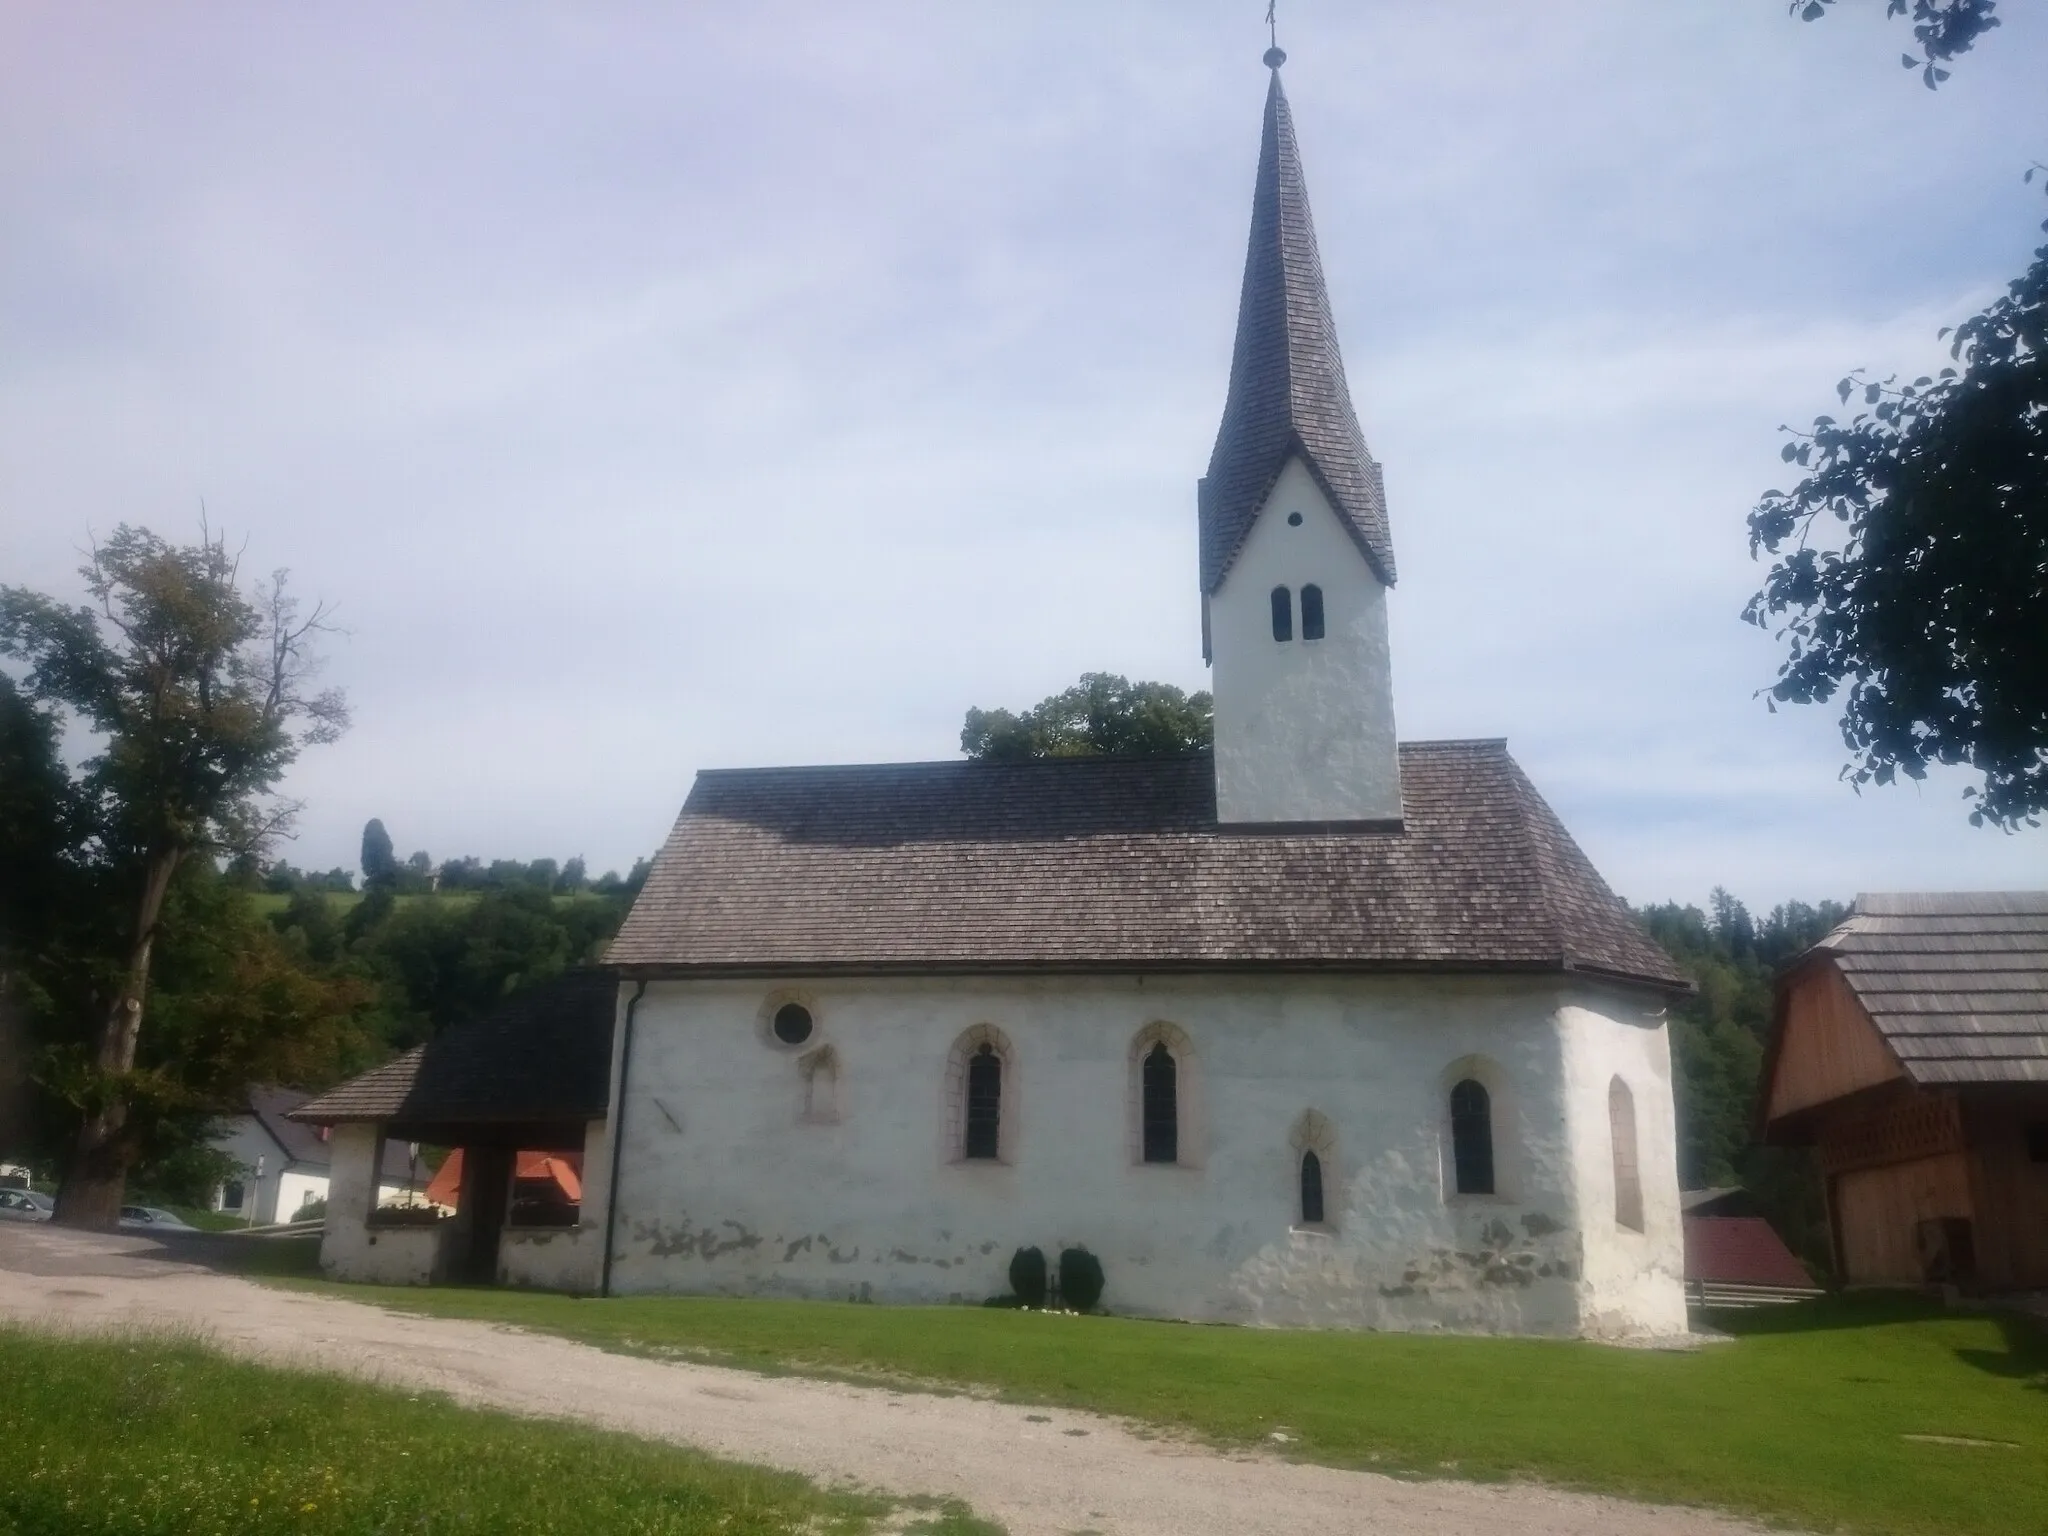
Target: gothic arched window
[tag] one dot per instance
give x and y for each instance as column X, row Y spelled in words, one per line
column 984, row 1103
column 1283, row 614
column 1472, row 1138
column 1311, row 612
column 1161, row 1106
column 1628, row 1177
column 1311, row 1190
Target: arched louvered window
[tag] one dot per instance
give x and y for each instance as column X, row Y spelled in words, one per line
column 1472, row 1138
column 1283, row 614
column 1628, row 1177
column 1311, row 612
column 1162, row 1106
column 1311, row 1190
column 984, row 1103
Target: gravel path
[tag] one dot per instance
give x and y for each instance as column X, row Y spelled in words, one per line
column 1040, row 1472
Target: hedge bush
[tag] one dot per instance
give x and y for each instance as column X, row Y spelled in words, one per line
column 1027, row 1276
column 1080, row 1279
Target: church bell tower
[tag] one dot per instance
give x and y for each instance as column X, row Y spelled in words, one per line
column 1295, row 552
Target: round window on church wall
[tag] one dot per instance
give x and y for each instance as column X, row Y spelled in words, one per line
column 792, row 1023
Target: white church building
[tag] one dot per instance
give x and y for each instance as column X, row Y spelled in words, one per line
column 1314, row 1030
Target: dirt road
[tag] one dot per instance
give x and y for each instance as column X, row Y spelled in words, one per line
column 1040, row 1472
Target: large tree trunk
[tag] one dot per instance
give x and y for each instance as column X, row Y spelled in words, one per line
column 97, row 1176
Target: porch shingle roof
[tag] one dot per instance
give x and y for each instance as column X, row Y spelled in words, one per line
column 544, row 1054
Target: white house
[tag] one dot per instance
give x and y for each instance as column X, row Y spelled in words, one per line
column 283, row 1164
column 1313, row 1029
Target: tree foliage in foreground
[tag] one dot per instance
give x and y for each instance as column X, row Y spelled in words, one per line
column 1912, row 564
column 198, row 693
column 1942, row 28
column 1103, row 715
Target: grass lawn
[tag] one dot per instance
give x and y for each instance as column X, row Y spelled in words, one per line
column 1813, row 1416
column 160, row 1436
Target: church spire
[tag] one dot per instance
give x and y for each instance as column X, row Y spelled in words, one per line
column 1287, row 394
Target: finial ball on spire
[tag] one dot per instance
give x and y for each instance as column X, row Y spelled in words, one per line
column 1275, row 58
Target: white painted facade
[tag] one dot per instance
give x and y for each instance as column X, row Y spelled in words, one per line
column 1304, row 728
column 357, row 1245
column 734, row 1183
column 274, row 1187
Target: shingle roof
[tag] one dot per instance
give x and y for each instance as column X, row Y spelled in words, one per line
column 299, row 1141
column 542, row 1054
column 1957, row 983
column 271, row 1107
column 1287, row 393
column 1082, row 864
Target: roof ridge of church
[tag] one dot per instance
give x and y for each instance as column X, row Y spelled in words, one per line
column 1288, row 394
column 1424, row 744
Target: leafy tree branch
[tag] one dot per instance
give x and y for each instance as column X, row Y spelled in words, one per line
column 1912, row 569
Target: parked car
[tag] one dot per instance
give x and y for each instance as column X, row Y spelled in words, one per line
column 25, row 1205
column 151, row 1218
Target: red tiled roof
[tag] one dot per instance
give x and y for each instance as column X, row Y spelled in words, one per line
column 1740, row 1250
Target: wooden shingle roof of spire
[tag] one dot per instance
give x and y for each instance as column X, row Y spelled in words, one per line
column 1287, row 394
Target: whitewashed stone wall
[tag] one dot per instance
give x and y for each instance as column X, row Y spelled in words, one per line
column 1304, row 728
column 564, row 1258
column 1635, row 1280
column 352, row 1247
column 734, row 1182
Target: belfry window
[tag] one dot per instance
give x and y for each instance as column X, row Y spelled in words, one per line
column 1311, row 612
column 984, row 1103
column 1161, row 1087
column 1311, row 1190
column 1283, row 614
column 1472, row 1138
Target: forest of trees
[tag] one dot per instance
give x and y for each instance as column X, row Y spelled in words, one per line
column 1717, row 1047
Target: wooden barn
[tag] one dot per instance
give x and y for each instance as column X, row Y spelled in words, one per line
column 1910, row 1050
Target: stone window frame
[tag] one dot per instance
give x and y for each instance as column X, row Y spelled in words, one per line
column 1504, row 1115
column 1313, row 1132
column 774, row 1002
column 953, row 1147
column 1190, row 1121
column 1624, row 1136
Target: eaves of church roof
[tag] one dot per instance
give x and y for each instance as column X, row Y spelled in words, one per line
column 1288, row 394
column 1082, row 865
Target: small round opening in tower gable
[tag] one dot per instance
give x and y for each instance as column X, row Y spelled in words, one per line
column 1294, row 519
column 792, row 1024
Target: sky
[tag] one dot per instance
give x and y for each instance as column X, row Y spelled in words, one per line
column 657, row 387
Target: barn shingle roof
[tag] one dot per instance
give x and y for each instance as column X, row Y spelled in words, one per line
column 1288, row 393
column 1957, row 983
column 544, row 1054
column 1083, row 864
